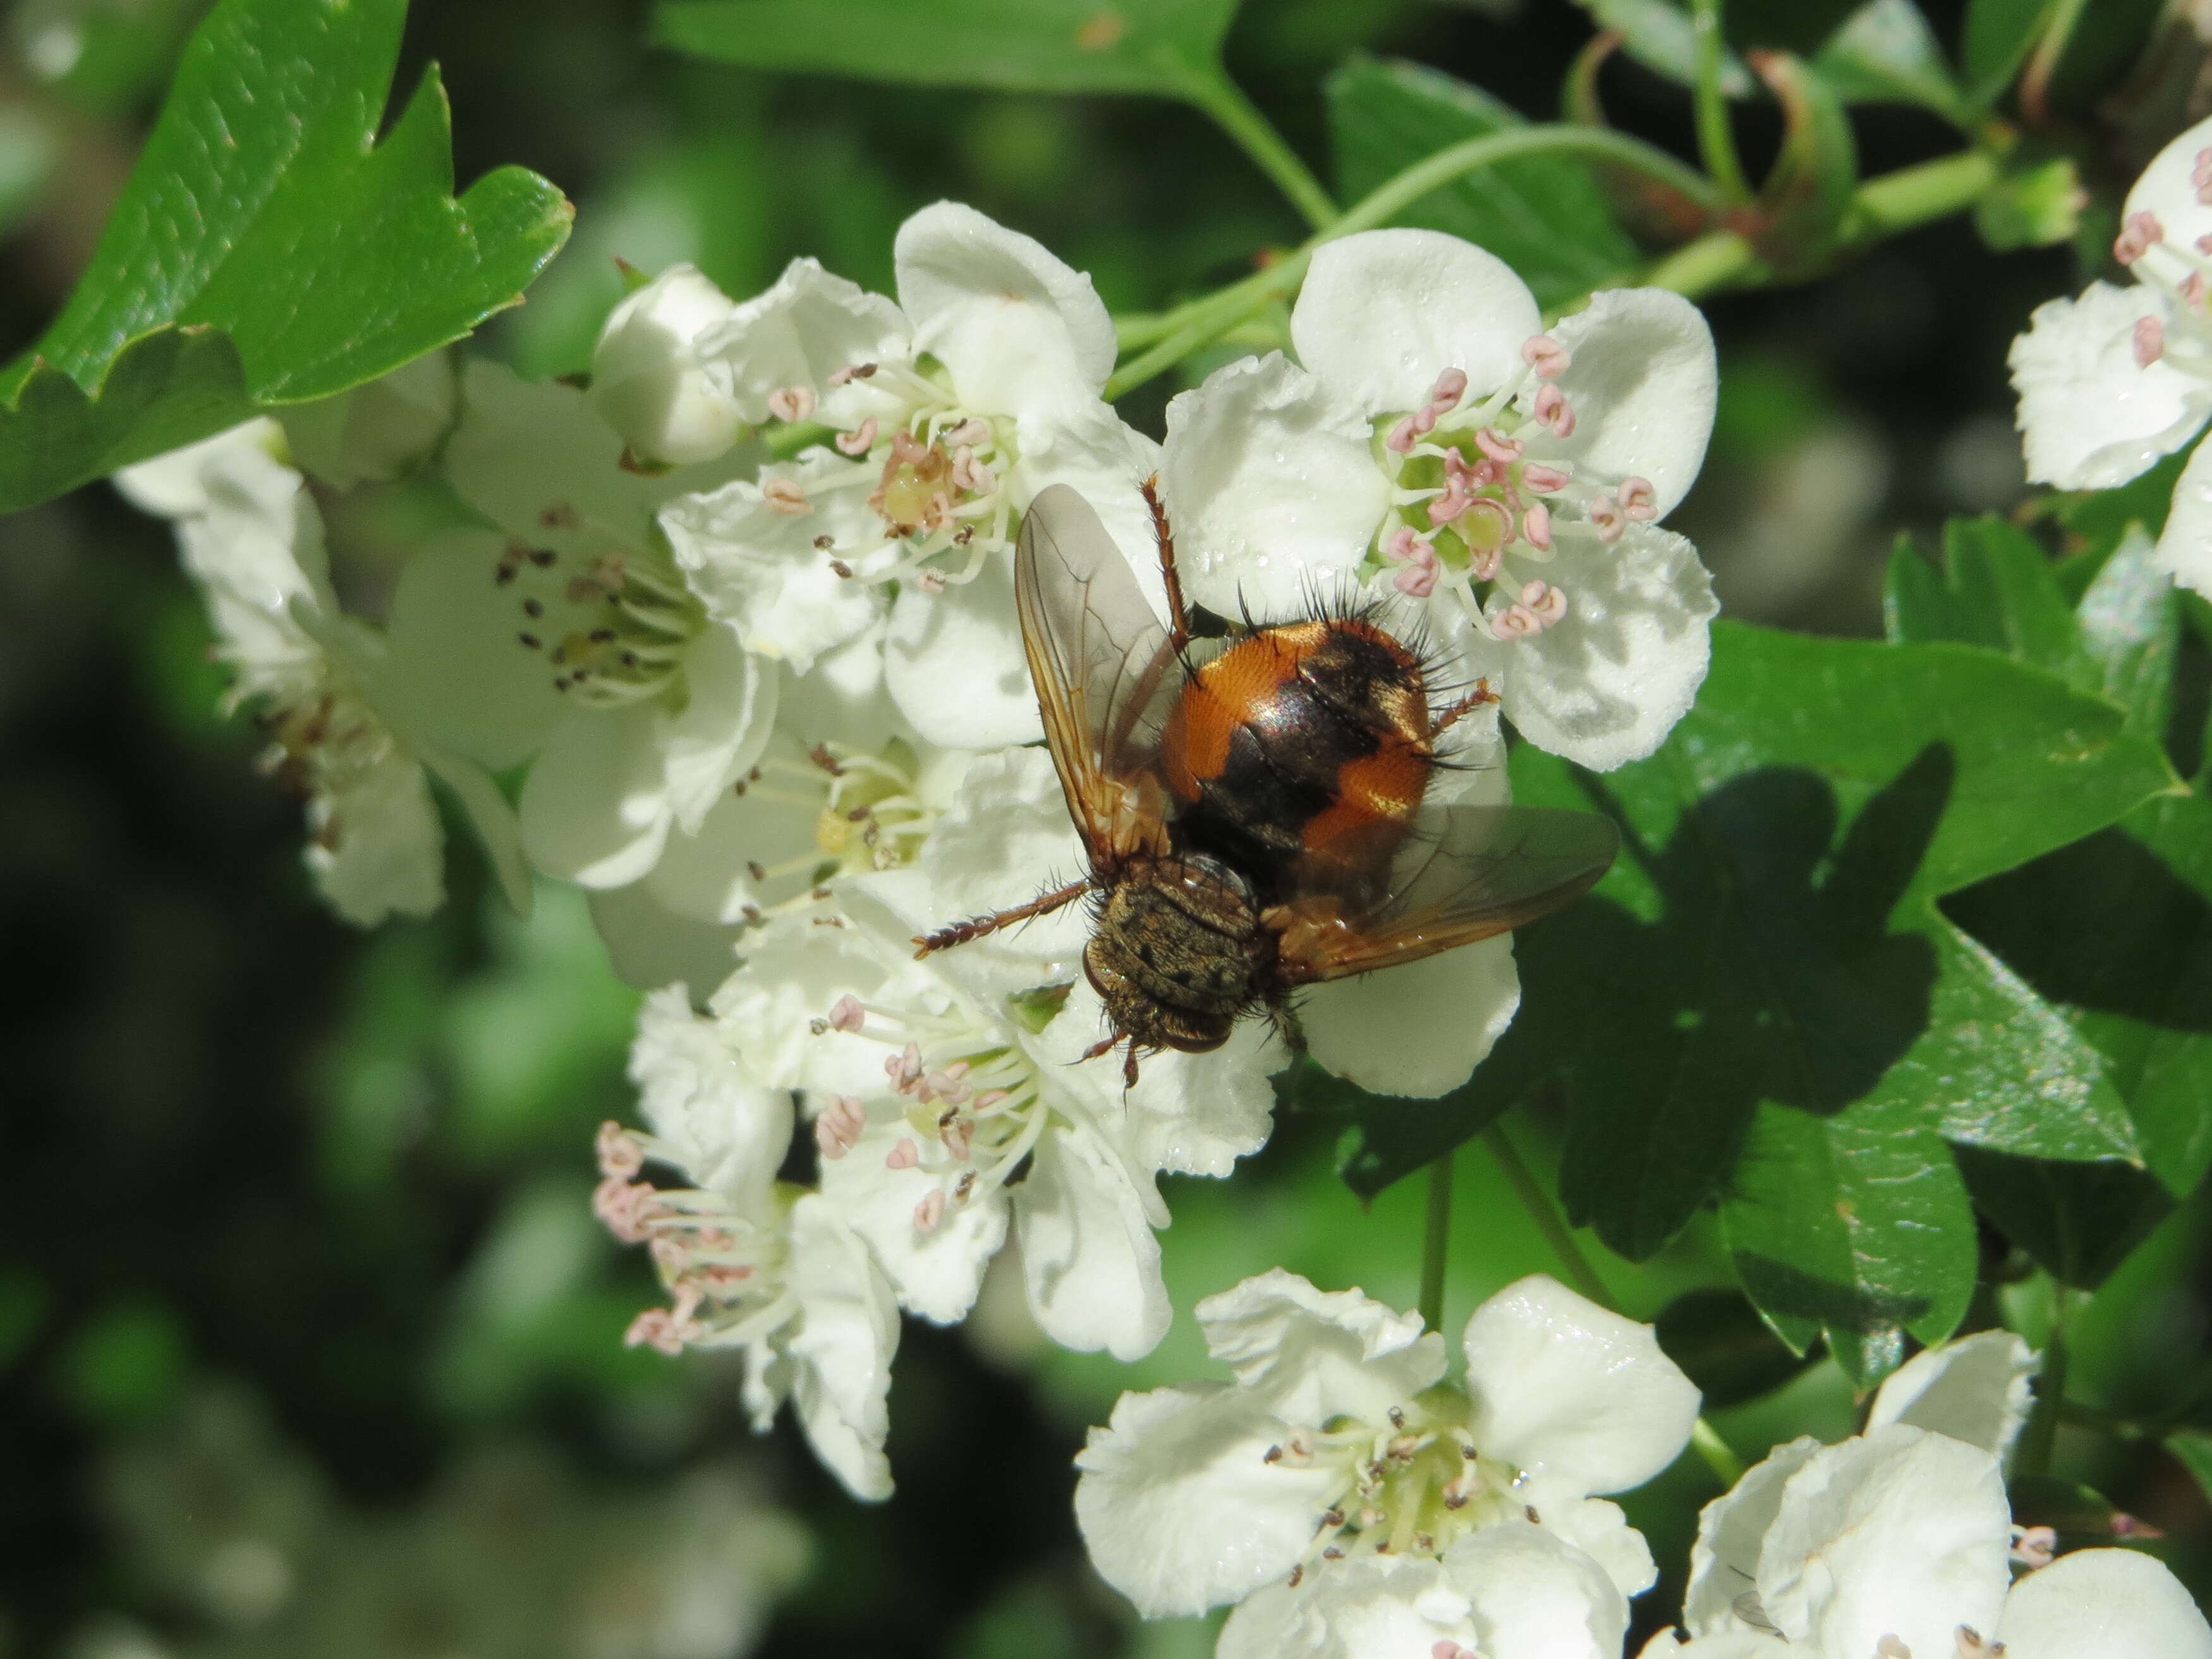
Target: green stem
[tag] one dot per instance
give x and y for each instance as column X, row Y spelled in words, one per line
column 1704, row 1440
column 2035, row 83
column 1915, row 195
column 1178, row 332
column 1716, row 139
column 1237, row 115
column 2042, row 1430
column 1719, row 1456
column 1549, row 1222
column 1436, row 1242
column 2120, row 1428
column 1716, row 260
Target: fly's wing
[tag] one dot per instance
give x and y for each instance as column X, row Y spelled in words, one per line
column 1465, row 873
column 1105, row 673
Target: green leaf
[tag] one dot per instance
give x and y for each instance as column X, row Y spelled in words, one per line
column 2115, row 930
column 2079, row 1221
column 1723, row 1346
column 1547, row 216
column 2193, row 1451
column 1802, row 27
column 1807, row 192
column 1999, row 34
column 267, row 250
column 1658, row 34
column 1887, row 53
column 2078, row 1513
column 1159, row 46
column 1762, row 1004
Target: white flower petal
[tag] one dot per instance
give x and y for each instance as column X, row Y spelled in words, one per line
column 257, row 554
column 170, row 485
column 648, row 382
column 760, row 571
column 377, row 848
column 1198, row 1114
column 1975, row 1390
column 730, row 1133
column 595, row 809
column 381, row 431
column 1273, row 489
column 2103, row 1604
column 2185, row 546
column 1899, row 1533
column 848, row 1333
column 1363, row 1607
column 2091, row 416
column 1090, row 449
column 649, row 944
column 1317, row 1354
column 1416, row 1030
column 456, row 669
column 1385, row 312
column 1566, row 1389
column 954, row 663
column 2167, row 187
column 1643, row 384
column 498, row 828
column 792, row 974
column 1088, row 1253
column 1601, row 1530
column 1180, row 1507
column 1019, row 331
column 1534, row 1596
column 728, row 712
column 1731, row 1530
column 936, row 1274
column 799, row 333
column 1606, row 684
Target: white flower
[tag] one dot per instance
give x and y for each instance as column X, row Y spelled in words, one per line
column 751, row 1264
column 1510, row 479
column 934, row 1084
column 571, row 636
column 953, row 407
column 1897, row 1544
column 2110, row 382
column 252, row 540
column 840, row 787
column 379, row 432
column 648, row 381
column 1338, row 1442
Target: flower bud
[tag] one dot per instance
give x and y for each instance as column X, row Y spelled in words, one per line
column 646, row 380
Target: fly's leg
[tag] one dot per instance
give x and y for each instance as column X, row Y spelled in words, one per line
column 1284, row 1019
column 1478, row 698
column 976, row 926
column 1163, row 533
column 1105, row 1043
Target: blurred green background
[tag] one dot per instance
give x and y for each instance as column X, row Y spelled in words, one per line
column 308, row 1342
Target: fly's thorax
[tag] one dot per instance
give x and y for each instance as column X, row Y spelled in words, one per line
column 1178, row 952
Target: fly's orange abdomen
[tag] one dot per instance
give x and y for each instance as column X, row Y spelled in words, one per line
column 1309, row 741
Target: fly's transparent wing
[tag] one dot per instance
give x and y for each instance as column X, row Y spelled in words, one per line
column 1464, row 873
column 1106, row 675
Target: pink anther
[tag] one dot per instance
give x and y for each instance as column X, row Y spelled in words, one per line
column 1404, row 547
column 1416, row 582
column 2201, row 176
column 1536, row 525
column 2035, row 1547
column 1403, row 436
column 2150, row 340
column 784, row 495
column 624, row 1207
column 904, row 1068
column 1546, row 356
column 1606, row 519
column 620, row 1155
column 2138, row 235
column 904, row 1156
column 930, row 1211
column 846, row 1014
column 1554, row 411
column 838, row 1130
column 958, row 1135
column 656, row 1327
column 791, row 402
column 1541, row 480
column 1500, row 448
column 931, row 582
column 1450, row 387
column 970, row 432
column 1547, row 604
column 1639, row 501
column 860, row 440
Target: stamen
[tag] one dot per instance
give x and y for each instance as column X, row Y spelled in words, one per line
column 2034, row 1547
column 791, row 402
column 2150, row 337
column 786, row 496
column 846, row 1014
column 1541, row 480
column 1605, row 517
column 904, row 1156
column 620, row 1155
column 1554, row 411
column 2138, row 235
column 838, row 1130
column 2201, row 177
column 1638, row 499
column 860, row 440
column 1546, row 356
column 930, row 1211
column 1500, row 448
column 1536, row 525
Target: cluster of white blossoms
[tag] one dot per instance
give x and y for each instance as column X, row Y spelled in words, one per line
column 725, row 633
column 2111, row 381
